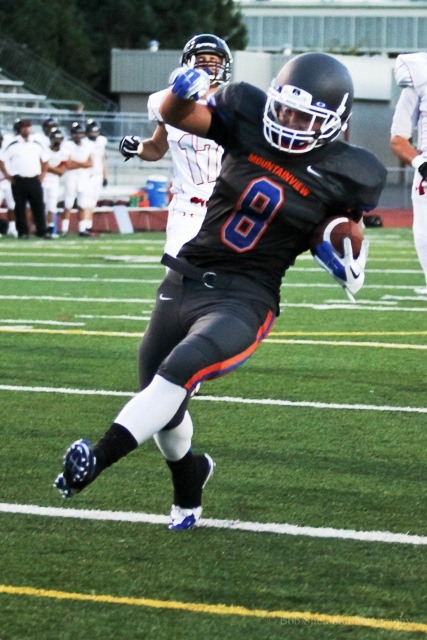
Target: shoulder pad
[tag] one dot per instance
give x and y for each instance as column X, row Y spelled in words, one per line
column 355, row 163
column 238, row 97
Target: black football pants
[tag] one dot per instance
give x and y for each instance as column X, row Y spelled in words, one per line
column 198, row 333
column 29, row 190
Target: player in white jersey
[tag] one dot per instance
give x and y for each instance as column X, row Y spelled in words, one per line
column 6, row 191
column 56, row 167
column 99, row 173
column 196, row 161
column 77, row 178
column 411, row 114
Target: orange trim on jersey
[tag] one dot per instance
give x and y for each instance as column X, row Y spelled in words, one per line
column 225, row 366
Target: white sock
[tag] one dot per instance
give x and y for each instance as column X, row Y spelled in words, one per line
column 88, row 224
column 82, row 226
column 174, row 443
column 65, row 225
column 151, row 410
column 12, row 226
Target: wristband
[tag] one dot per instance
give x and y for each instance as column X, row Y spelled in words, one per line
column 418, row 161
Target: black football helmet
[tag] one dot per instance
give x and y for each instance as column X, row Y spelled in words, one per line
column 20, row 123
column 56, row 136
column 49, row 124
column 77, row 131
column 77, row 127
column 92, row 129
column 308, row 104
column 208, row 43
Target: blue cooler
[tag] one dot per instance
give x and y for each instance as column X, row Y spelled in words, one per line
column 157, row 188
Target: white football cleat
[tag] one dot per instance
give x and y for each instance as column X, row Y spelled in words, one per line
column 181, row 519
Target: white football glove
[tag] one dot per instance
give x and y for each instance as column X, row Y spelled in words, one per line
column 129, row 146
column 348, row 271
column 190, row 84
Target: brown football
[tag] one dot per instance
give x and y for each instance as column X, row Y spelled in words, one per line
column 334, row 230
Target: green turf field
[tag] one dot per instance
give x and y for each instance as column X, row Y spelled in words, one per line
column 315, row 520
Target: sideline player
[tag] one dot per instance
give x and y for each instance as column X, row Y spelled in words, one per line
column 99, row 172
column 277, row 183
column 77, row 178
column 56, row 167
column 196, row 161
column 411, row 114
column 6, row 193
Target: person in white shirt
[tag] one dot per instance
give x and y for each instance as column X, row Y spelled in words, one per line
column 24, row 164
column 99, row 173
column 56, row 167
column 195, row 161
column 411, row 114
column 77, row 178
column 6, row 192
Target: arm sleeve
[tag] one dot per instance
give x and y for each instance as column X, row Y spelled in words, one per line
column 153, row 105
column 406, row 114
column 223, row 107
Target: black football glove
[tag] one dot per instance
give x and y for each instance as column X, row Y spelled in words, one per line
column 128, row 146
column 105, row 182
column 423, row 170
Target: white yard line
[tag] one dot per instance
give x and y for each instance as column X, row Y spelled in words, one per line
column 344, row 305
column 226, row 399
column 113, row 317
column 353, row 307
column 236, row 525
column 85, row 265
column 93, row 279
column 344, row 343
column 144, row 262
column 75, row 299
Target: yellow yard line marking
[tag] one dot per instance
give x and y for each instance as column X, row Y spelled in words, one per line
column 347, row 343
column 221, row 609
column 348, row 333
column 128, row 334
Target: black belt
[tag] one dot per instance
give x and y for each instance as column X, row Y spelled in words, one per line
column 210, row 279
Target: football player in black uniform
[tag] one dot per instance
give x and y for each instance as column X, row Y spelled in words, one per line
column 284, row 172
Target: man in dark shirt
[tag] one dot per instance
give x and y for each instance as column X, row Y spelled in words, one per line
column 283, row 173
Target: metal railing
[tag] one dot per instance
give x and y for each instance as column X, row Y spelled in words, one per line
column 39, row 76
column 114, row 125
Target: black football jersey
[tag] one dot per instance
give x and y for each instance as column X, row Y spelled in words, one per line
column 266, row 202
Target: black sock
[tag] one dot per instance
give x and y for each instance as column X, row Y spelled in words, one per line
column 115, row 444
column 188, row 476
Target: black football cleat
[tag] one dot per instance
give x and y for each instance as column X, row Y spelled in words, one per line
column 79, row 469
